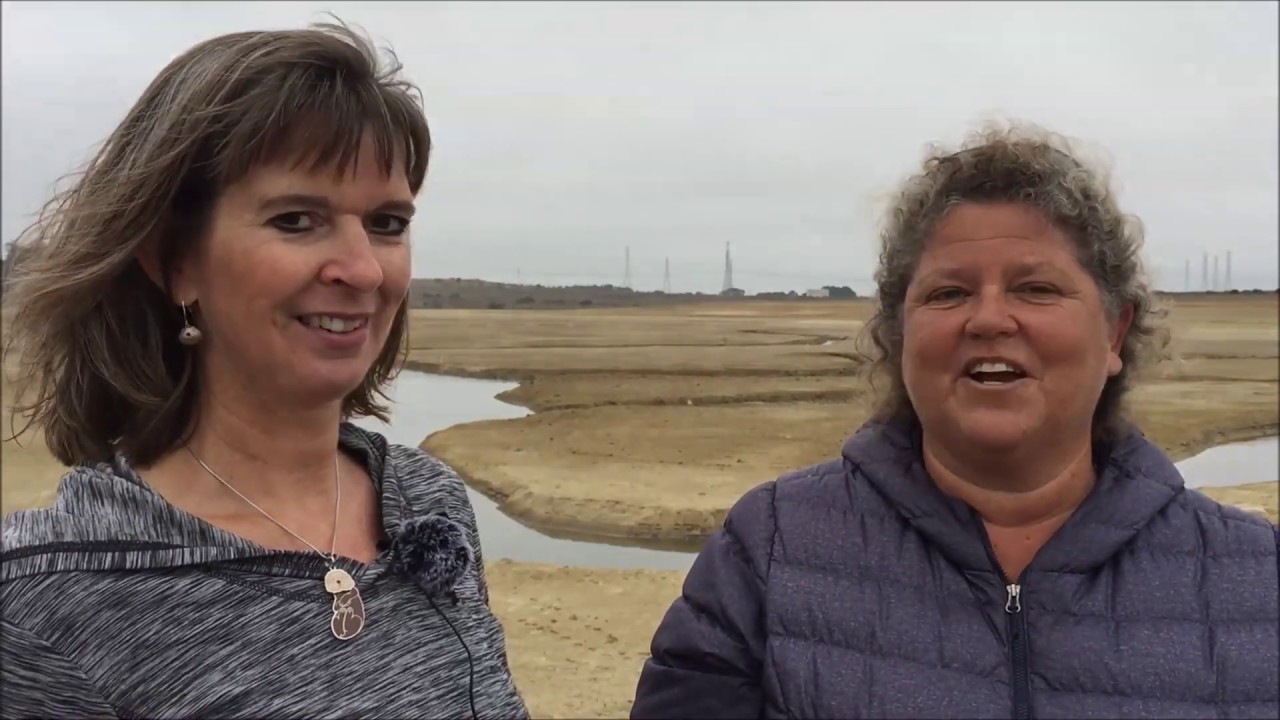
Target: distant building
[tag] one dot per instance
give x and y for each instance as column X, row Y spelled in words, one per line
column 11, row 262
column 817, row 293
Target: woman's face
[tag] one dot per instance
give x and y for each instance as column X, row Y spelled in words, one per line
column 299, row 278
column 1006, row 338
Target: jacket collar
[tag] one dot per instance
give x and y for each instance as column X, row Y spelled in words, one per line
column 1136, row 480
column 105, row 517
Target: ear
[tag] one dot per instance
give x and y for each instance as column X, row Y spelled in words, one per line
column 1119, row 330
column 148, row 256
column 179, row 286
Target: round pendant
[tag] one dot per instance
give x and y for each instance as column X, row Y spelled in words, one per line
column 338, row 580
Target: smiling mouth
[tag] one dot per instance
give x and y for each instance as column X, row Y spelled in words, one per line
column 995, row 373
column 333, row 324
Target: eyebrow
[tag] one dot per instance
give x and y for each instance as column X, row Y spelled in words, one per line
column 321, row 203
column 1019, row 270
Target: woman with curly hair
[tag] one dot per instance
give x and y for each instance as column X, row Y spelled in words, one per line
column 998, row 540
column 198, row 318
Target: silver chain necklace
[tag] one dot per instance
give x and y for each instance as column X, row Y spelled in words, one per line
column 348, row 608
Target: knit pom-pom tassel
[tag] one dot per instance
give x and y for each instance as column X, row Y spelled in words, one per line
column 433, row 551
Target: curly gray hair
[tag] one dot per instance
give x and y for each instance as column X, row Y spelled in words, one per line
column 1029, row 165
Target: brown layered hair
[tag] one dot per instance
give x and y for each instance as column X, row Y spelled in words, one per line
column 94, row 340
column 1017, row 163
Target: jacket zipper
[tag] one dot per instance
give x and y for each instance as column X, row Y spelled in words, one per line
column 1019, row 648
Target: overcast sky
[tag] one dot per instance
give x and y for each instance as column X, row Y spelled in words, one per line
column 566, row 132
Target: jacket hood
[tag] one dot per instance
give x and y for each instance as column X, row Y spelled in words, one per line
column 106, row 518
column 1136, row 480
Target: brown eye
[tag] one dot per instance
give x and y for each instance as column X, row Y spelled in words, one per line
column 293, row 222
column 386, row 224
column 949, row 294
column 1039, row 289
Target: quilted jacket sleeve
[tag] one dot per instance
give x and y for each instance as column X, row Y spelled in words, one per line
column 705, row 658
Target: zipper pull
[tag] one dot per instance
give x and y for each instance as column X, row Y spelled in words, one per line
column 1014, row 602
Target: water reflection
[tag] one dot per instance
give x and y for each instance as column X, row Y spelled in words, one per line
column 1234, row 464
column 425, row 403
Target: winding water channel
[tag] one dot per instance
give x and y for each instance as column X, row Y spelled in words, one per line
column 426, row 403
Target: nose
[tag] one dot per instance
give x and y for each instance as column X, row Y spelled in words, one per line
column 353, row 261
column 990, row 315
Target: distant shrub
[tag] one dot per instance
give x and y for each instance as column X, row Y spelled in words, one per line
column 840, row 291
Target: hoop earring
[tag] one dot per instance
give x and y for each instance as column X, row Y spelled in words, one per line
column 189, row 334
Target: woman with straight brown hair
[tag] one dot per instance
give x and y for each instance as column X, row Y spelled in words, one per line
column 197, row 319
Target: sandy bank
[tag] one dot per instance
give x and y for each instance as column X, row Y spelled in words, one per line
column 649, row 423
column 671, row 472
column 578, row 638
column 1262, row 498
column 664, row 450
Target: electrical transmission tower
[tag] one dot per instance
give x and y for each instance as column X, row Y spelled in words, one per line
column 728, row 269
column 666, row 276
column 1227, row 283
column 626, row 273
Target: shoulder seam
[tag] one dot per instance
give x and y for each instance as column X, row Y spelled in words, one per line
column 1181, row 499
column 70, row 662
column 817, row 470
column 773, row 534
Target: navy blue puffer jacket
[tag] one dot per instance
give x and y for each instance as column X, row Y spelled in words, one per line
column 856, row 589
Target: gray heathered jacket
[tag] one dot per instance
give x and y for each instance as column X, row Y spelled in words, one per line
column 856, row 589
column 117, row 604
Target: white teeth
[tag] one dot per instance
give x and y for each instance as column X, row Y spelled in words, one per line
column 332, row 324
column 993, row 367
column 982, row 371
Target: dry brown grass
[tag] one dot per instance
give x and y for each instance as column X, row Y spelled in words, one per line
column 1262, row 498
column 714, row 398
column 578, row 638
column 657, row 441
column 28, row 473
column 755, row 338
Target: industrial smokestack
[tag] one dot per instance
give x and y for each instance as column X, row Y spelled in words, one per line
column 728, row 269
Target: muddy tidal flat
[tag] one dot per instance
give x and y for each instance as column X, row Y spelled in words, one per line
column 647, row 424
column 650, row 423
